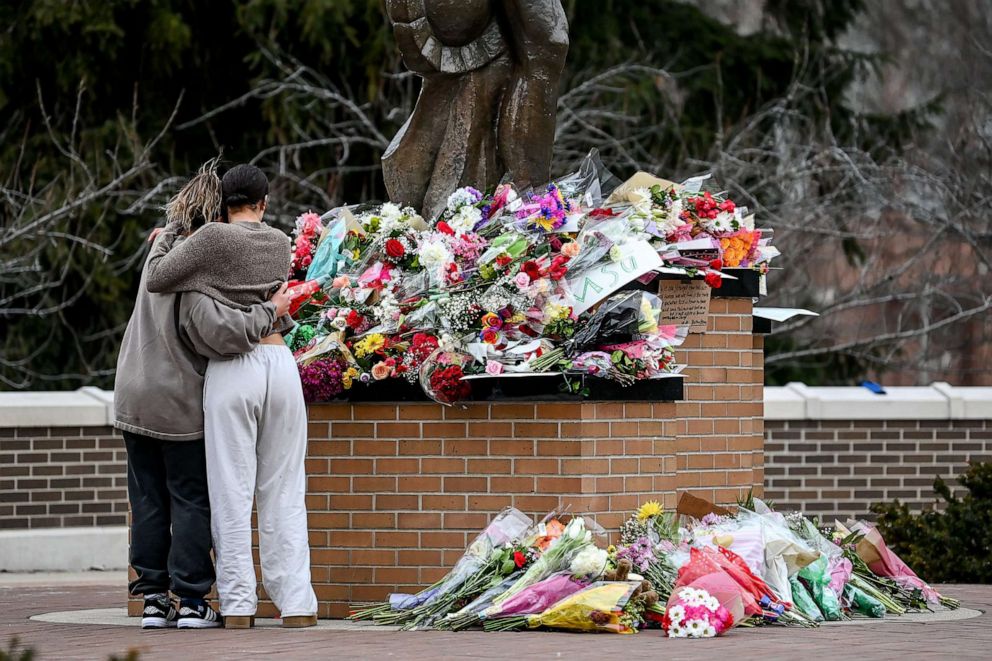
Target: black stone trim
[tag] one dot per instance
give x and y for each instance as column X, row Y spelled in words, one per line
column 530, row 389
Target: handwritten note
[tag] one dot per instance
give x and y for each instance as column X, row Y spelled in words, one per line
column 685, row 303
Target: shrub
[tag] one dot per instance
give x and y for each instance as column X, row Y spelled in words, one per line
column 953, row 545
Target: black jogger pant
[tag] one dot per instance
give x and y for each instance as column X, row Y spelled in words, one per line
column 170, row 516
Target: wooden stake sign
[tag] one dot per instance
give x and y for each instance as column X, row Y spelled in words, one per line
column 685, row 303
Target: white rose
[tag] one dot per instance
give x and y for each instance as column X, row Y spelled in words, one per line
column 390, row 211
column 434, row 254
column 590, row 562
column 465, row 220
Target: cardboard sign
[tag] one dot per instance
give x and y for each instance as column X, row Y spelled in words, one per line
column 685, row 303
column 595, row 284
column 697, row 508
column 639, row 180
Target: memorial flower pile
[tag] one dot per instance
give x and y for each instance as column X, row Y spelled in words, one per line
column 689, row 578
column 509, row 283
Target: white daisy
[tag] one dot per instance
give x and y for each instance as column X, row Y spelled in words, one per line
column 677, row 631
column 676, row 614
column 711, row 603
column 724, row 222
column 695, row 627
column 709, row 631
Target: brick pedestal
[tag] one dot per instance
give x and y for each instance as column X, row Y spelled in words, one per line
column 398, row 490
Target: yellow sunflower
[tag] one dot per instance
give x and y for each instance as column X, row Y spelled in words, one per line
column 649, row 509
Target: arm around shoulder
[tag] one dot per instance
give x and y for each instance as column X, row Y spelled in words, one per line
column 219, row 332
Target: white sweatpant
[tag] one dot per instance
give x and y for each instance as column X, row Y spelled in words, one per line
column 255, row 423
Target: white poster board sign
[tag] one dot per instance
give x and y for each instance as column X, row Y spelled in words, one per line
column 595, row 284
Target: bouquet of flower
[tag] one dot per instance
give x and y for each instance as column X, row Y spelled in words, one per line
column 472, row 574
column 695, row 613
column 558, row 557
column 530, row 601
column 599, row 607
column 306, row 234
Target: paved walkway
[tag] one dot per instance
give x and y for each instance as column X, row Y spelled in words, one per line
column 21, row 599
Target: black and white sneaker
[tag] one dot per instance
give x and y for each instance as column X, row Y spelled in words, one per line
column 196, row 614
column 159, row 613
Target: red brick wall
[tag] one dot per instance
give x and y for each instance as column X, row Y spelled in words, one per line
column 54, row 477
column 838, row 468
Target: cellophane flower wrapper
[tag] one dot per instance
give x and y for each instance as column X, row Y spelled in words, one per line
column 506, row 526
column 785, row 552
column 556, row 558
column 594, row 608
column 728, row 579
column 539, row 597
column 840, row 573
column 328, row 256
column 485, row 600
column 746, row 539
column 884, row 562
column 803, row 600
column 817, row 576
column 440, row 377
column 622, row 317
column 863, row 603
column 683, row 606
column 591, row 183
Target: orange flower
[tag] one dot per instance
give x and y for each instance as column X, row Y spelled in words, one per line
column 737, row 247
column 553, row 530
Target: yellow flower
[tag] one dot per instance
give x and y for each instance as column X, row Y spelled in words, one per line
column 369, row 344
column 649, row 509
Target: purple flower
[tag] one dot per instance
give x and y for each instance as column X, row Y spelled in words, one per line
column 321, row 380
column 639, row 553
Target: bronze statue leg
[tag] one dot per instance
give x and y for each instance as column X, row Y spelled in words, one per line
column 538, row 33
column 408, row 163
column 467, row 156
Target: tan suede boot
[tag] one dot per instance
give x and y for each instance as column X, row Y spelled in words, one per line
column 299, row 621
column 239, row 621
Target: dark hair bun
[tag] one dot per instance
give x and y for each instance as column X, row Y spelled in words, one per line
column 244, row 185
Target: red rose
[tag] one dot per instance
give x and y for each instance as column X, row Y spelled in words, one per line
column 519, row 559
column 716, row 264
column 531, row 268
column 395, row 249
column 354, row 319
column 445, row 228
column 714, row 280
column 601, row 213
column 503, row 260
